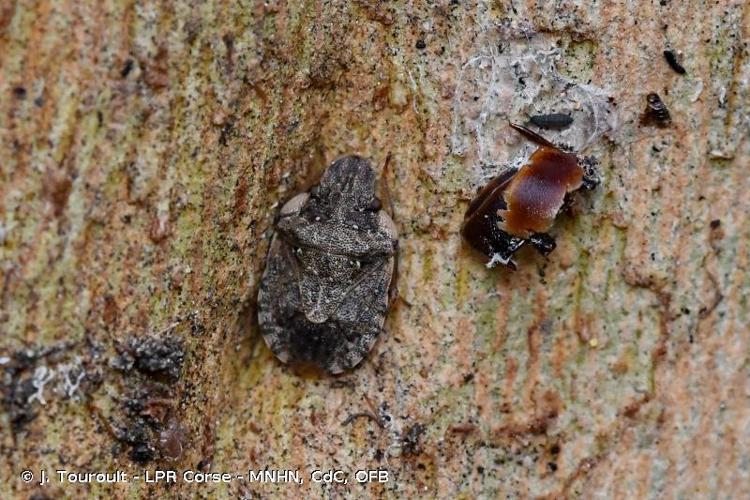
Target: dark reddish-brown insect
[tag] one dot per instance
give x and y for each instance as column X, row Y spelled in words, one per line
column 520, row 205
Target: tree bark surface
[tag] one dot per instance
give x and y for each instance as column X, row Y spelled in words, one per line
column 145, row 148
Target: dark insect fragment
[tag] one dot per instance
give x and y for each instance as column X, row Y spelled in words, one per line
column 323, row 297
column 410, row 440
column 19, row 92
column 557, row 121
column 16, row 402
column 656, row 112
column 671, row 58
column 519, row 206
column 158, row 356
column 127, row 68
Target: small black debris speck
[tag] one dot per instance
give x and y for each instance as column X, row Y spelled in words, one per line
column 671, row 58
column 19, row 92
column 552, row 466
column 715, row 224
column 127, row 68
column 142, row 453
column 410, row 444
column 420, row 44
column 15, row 400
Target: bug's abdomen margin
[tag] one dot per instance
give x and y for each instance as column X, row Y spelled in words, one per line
column 342, row 340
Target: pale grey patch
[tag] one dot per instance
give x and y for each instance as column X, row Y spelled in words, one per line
column 509, row 80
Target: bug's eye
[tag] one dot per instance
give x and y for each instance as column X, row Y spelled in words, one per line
column 375, row 205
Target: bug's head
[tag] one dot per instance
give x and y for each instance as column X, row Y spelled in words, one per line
column 348, row 184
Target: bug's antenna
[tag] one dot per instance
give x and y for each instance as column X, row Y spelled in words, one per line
column 532, row 136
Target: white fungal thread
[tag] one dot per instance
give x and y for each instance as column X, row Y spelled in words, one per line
column 498, row 85
column 723, row 97
column 42, row 375
column 497, row 259
column 71, row 383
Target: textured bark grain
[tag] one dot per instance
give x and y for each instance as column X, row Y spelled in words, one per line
column 146, row 146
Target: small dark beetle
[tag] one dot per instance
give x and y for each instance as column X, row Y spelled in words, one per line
column 656, row 112
column 556, row 121
column 520, row 205
column 324, row 294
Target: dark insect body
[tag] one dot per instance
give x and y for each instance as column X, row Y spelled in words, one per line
column 673, row 62
column 656, row 112
column 323, row 297
column 556, row 121
column 519, row 206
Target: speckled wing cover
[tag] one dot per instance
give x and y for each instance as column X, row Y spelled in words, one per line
column 324, row 294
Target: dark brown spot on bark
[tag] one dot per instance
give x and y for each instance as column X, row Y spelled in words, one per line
column 57, row 187
column 111, row 311
column 380, row 96
column 156, row 70
column 240, row 197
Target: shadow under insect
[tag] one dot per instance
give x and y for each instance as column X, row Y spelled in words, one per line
column 519, row 206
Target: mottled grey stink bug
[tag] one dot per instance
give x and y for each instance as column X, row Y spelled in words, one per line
column 324, row 294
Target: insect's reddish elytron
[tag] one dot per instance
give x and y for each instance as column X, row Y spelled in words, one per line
column 520, row 205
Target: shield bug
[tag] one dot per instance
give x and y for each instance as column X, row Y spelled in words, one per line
column 519, row 206
column 324, row 294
